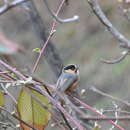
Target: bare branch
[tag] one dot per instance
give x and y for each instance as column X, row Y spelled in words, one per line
column 122, row 118
column 122, row 57
column 51, row 54
column 49, row 37
column 41, row 53
column 124, row 42
column 6, row 81
column 58, row 19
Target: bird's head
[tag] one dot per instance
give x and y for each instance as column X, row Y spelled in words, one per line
column 72, row 68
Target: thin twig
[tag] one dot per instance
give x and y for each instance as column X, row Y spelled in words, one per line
column 7, row 76
column 109, row 96
column 116, row 115
column 41, row 52
column 53, row 28
column 122, row 118
column 122, row 57
column 6, row 81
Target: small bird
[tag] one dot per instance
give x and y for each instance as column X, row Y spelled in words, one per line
column 67, row 82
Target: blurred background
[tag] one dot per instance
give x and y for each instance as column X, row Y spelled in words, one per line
column 84, row 42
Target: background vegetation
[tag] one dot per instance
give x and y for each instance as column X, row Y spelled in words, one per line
column 84, row 42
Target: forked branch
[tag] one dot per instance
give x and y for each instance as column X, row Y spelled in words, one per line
column 124, row 42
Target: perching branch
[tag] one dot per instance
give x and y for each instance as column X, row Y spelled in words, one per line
column 43, row 92
column 55, row 103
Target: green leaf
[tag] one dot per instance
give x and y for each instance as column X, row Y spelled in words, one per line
column 32, row 112
column 38, row 110
column 13, row 75
column 37, row 50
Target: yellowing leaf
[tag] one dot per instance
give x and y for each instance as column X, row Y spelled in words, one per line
column 32, row 112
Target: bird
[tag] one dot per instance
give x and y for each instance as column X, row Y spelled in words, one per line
column 67, row 81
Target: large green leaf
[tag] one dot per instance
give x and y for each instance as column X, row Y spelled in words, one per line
column 32, row 112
